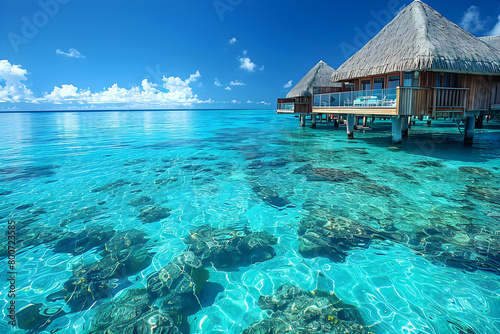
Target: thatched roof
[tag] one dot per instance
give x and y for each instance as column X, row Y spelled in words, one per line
column 420, row 39
column 493, row 41
column 319, row 76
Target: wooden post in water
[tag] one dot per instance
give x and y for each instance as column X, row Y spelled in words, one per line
column 364, row 121
column 470, row 122
column 404, row 126
column 313, row 120
column 302, row 120
column 428, row 121
column 351, row 119
column 335, row 123
column 397, row 138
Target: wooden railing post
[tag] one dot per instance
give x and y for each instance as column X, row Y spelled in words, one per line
column 434, row 102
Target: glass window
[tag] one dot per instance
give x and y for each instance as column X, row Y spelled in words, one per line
column 366, row 85
column 408, row 79
column 349, row 87
column 415, row 79
column 439, row 79
column 325, row 98
column 317, row 100
column 454, row 80
column 446, row 80
column 393, row 81
column 379, row 83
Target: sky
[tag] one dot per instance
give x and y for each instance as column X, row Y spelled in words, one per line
column 167, row 54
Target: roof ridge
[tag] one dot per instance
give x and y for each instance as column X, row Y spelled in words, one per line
column 420, row 18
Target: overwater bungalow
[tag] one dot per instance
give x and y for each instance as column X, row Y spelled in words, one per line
column 419, row 65
column 300, row 99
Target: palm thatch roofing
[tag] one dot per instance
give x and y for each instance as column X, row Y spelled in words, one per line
column 420, row 39
column 493, row 41
column 319, row 76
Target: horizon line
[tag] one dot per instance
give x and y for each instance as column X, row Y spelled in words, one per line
column 105, row 110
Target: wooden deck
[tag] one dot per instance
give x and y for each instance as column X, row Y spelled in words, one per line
column 283, row 111
column 378, row 111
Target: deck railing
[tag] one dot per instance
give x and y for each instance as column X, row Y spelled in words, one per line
column 404, row 101
column 286, row 106
column 413, row 101
column 358, row 99
column 449, row 98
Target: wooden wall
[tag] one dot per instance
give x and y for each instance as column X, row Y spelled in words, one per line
column 303, row 104
column 495, row 90
column 479, row 97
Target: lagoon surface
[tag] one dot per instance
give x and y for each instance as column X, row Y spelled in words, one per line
column 408, row 238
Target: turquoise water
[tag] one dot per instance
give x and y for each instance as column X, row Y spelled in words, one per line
column 431, row 209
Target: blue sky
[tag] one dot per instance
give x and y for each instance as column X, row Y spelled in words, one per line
column 100, row 54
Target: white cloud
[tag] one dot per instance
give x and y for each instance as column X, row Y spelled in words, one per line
column 249, row 101
column 12, row 88
column 246, row 64
column 496, row 29
column 67, row 93
column 263, row 102
column 175, row 92
column 234, row 101
column 261, row 68
column 471, row 20
column 73, row 53
column 288, row 84
column 227, row 88
column 237, row 83
column 232, row 40
column 217, row 82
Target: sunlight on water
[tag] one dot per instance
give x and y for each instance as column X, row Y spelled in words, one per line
column 188, row 219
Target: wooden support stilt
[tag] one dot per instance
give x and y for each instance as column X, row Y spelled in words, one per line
column 350, row 126
column 341, row 119
column 470, row 122
column 313, row 120
column 302, row 120
column 410, row 122
column 335, row 123
column 420, row 117
column 397, row 138
column 364, row 121
column 404, row 126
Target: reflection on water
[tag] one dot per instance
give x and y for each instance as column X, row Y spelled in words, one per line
column 242, row 221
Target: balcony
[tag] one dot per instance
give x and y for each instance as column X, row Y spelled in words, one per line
column 285, row 108
column 381, row 100
column 294, row 105
column 403, row 101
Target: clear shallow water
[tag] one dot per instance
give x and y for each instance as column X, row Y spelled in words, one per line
column 433, row 266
